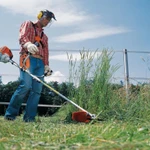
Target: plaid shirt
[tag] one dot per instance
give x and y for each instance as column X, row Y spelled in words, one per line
column 27, row 34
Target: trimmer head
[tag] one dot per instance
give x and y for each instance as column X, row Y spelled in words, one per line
column 82, row 116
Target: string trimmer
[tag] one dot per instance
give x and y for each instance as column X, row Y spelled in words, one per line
column 79, row 116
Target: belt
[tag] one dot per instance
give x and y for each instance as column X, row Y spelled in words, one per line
column 37, row 56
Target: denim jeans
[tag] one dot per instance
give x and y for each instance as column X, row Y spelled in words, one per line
column 27, row 85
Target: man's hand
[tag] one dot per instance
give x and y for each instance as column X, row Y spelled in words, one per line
column 32, row 48
column 4, row 58
column 47, row 70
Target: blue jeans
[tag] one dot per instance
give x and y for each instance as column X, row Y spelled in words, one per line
column 27, row 85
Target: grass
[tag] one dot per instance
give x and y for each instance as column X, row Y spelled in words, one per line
column 125, row 126
column 48, row 134
column 91, row 75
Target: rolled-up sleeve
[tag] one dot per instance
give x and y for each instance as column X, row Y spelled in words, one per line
column 45, row 50
column 26, row 33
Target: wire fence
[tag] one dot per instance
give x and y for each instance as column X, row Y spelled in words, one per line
column 134, row 67
column 138, row 66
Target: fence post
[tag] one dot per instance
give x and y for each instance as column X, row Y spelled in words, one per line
column 126, row 70
column 0, row 79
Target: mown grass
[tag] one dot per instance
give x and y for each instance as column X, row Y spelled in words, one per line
column 48, row 134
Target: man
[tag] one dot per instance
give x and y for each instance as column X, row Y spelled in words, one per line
column 34, row 56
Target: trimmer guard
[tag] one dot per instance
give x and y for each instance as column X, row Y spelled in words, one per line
column 82, row 116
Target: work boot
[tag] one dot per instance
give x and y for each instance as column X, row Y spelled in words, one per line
column 9, row 118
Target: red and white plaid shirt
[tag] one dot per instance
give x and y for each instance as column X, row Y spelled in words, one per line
column 27, row 34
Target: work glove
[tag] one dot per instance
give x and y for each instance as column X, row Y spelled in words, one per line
column 47, row 70
column 4, row 58
column 32, row 48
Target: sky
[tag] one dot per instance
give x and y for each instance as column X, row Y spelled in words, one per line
column 81, row 24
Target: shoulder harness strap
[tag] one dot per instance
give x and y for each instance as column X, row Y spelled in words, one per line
column 37, row 38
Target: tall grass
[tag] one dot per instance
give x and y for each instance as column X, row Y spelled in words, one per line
column 139, row 106
column 91, row 76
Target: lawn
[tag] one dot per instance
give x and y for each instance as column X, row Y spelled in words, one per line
column 57, row 135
